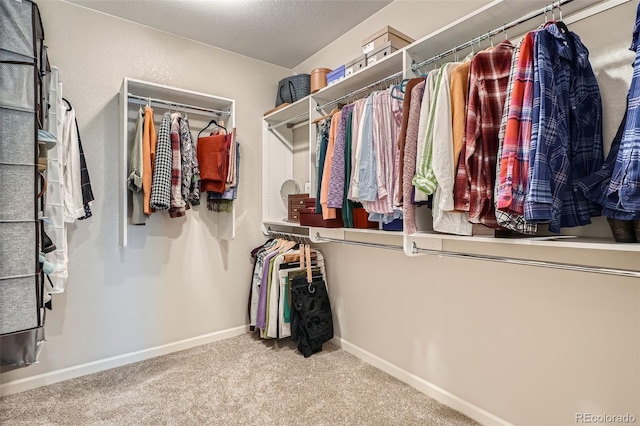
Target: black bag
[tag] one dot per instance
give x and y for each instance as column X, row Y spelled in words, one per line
column 293, row 88
column 311, row 318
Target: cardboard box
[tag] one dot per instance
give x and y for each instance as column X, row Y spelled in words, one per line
column 335, row 76
column 380, row 54
column 355, row 65
column 385, row 35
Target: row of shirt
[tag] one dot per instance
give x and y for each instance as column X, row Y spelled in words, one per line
column 168, row 170
column 509, row 138
column 358, row 160
column 504, row 138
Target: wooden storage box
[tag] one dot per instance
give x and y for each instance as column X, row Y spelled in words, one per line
column 361, row 219
column 307, row 218
column 386, row 35
column 296, row 202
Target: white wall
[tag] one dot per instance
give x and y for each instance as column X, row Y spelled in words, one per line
column 532, row 346
column 175, row 280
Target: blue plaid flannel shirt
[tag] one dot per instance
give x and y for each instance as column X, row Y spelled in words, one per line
column 623, row 195
column 566, row 135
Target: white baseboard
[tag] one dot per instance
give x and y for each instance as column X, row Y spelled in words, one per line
column 52, row 377
column 435, row 392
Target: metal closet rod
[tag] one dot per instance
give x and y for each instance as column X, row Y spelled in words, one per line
column 490, row 34
column 282, row 123
column 359, row 243
column 360, row 90
column 538, row 263
column 143, row 100
column 287, row 234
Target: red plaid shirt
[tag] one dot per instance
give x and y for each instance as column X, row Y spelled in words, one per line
column 488, row 80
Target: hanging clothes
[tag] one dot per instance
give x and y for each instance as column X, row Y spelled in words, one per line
column 386, row 153
column 596, row 185
column 514, row 142
column 177, row 203
column 85, row 181
column 328, row 212
column 162, row 169
column 403, row 134
column 488, row 79
column 623, row 192
column 566, row 140
column 134, row 180
column 213, row 154
column 459, row 92
column 364, row 175
column 338, row 170
column 190, row 166
column 347, row 204
column 72, row 180
column 423, row 113
column 414, row 94
column 445, row 218
column 322, row 143
column 279, row 307
column 149, row 143
column 224, row 202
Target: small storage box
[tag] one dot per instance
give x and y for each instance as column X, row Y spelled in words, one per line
column 386, row 35
column 335, row 76
column 296, row 202
column 319, row 79
column 316, row 220
column 361, row 219
column 380, row 54
column 355, row 65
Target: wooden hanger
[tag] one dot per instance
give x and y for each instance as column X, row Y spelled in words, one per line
column 331, row 114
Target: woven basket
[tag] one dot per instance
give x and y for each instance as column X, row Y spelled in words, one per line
column 293, row 88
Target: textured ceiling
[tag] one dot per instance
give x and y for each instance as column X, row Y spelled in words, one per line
column 282, row 32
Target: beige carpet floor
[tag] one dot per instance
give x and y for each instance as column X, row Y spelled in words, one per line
column 238, row 381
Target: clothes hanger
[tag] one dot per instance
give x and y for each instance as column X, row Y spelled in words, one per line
column 213, row 121
column 331, row 114
column 69, row 107
column 560, row 24
column 393, row 94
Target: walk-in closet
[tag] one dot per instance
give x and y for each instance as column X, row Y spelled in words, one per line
column 278, row 212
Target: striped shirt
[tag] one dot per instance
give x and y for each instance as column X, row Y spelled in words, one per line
column 385, row 134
